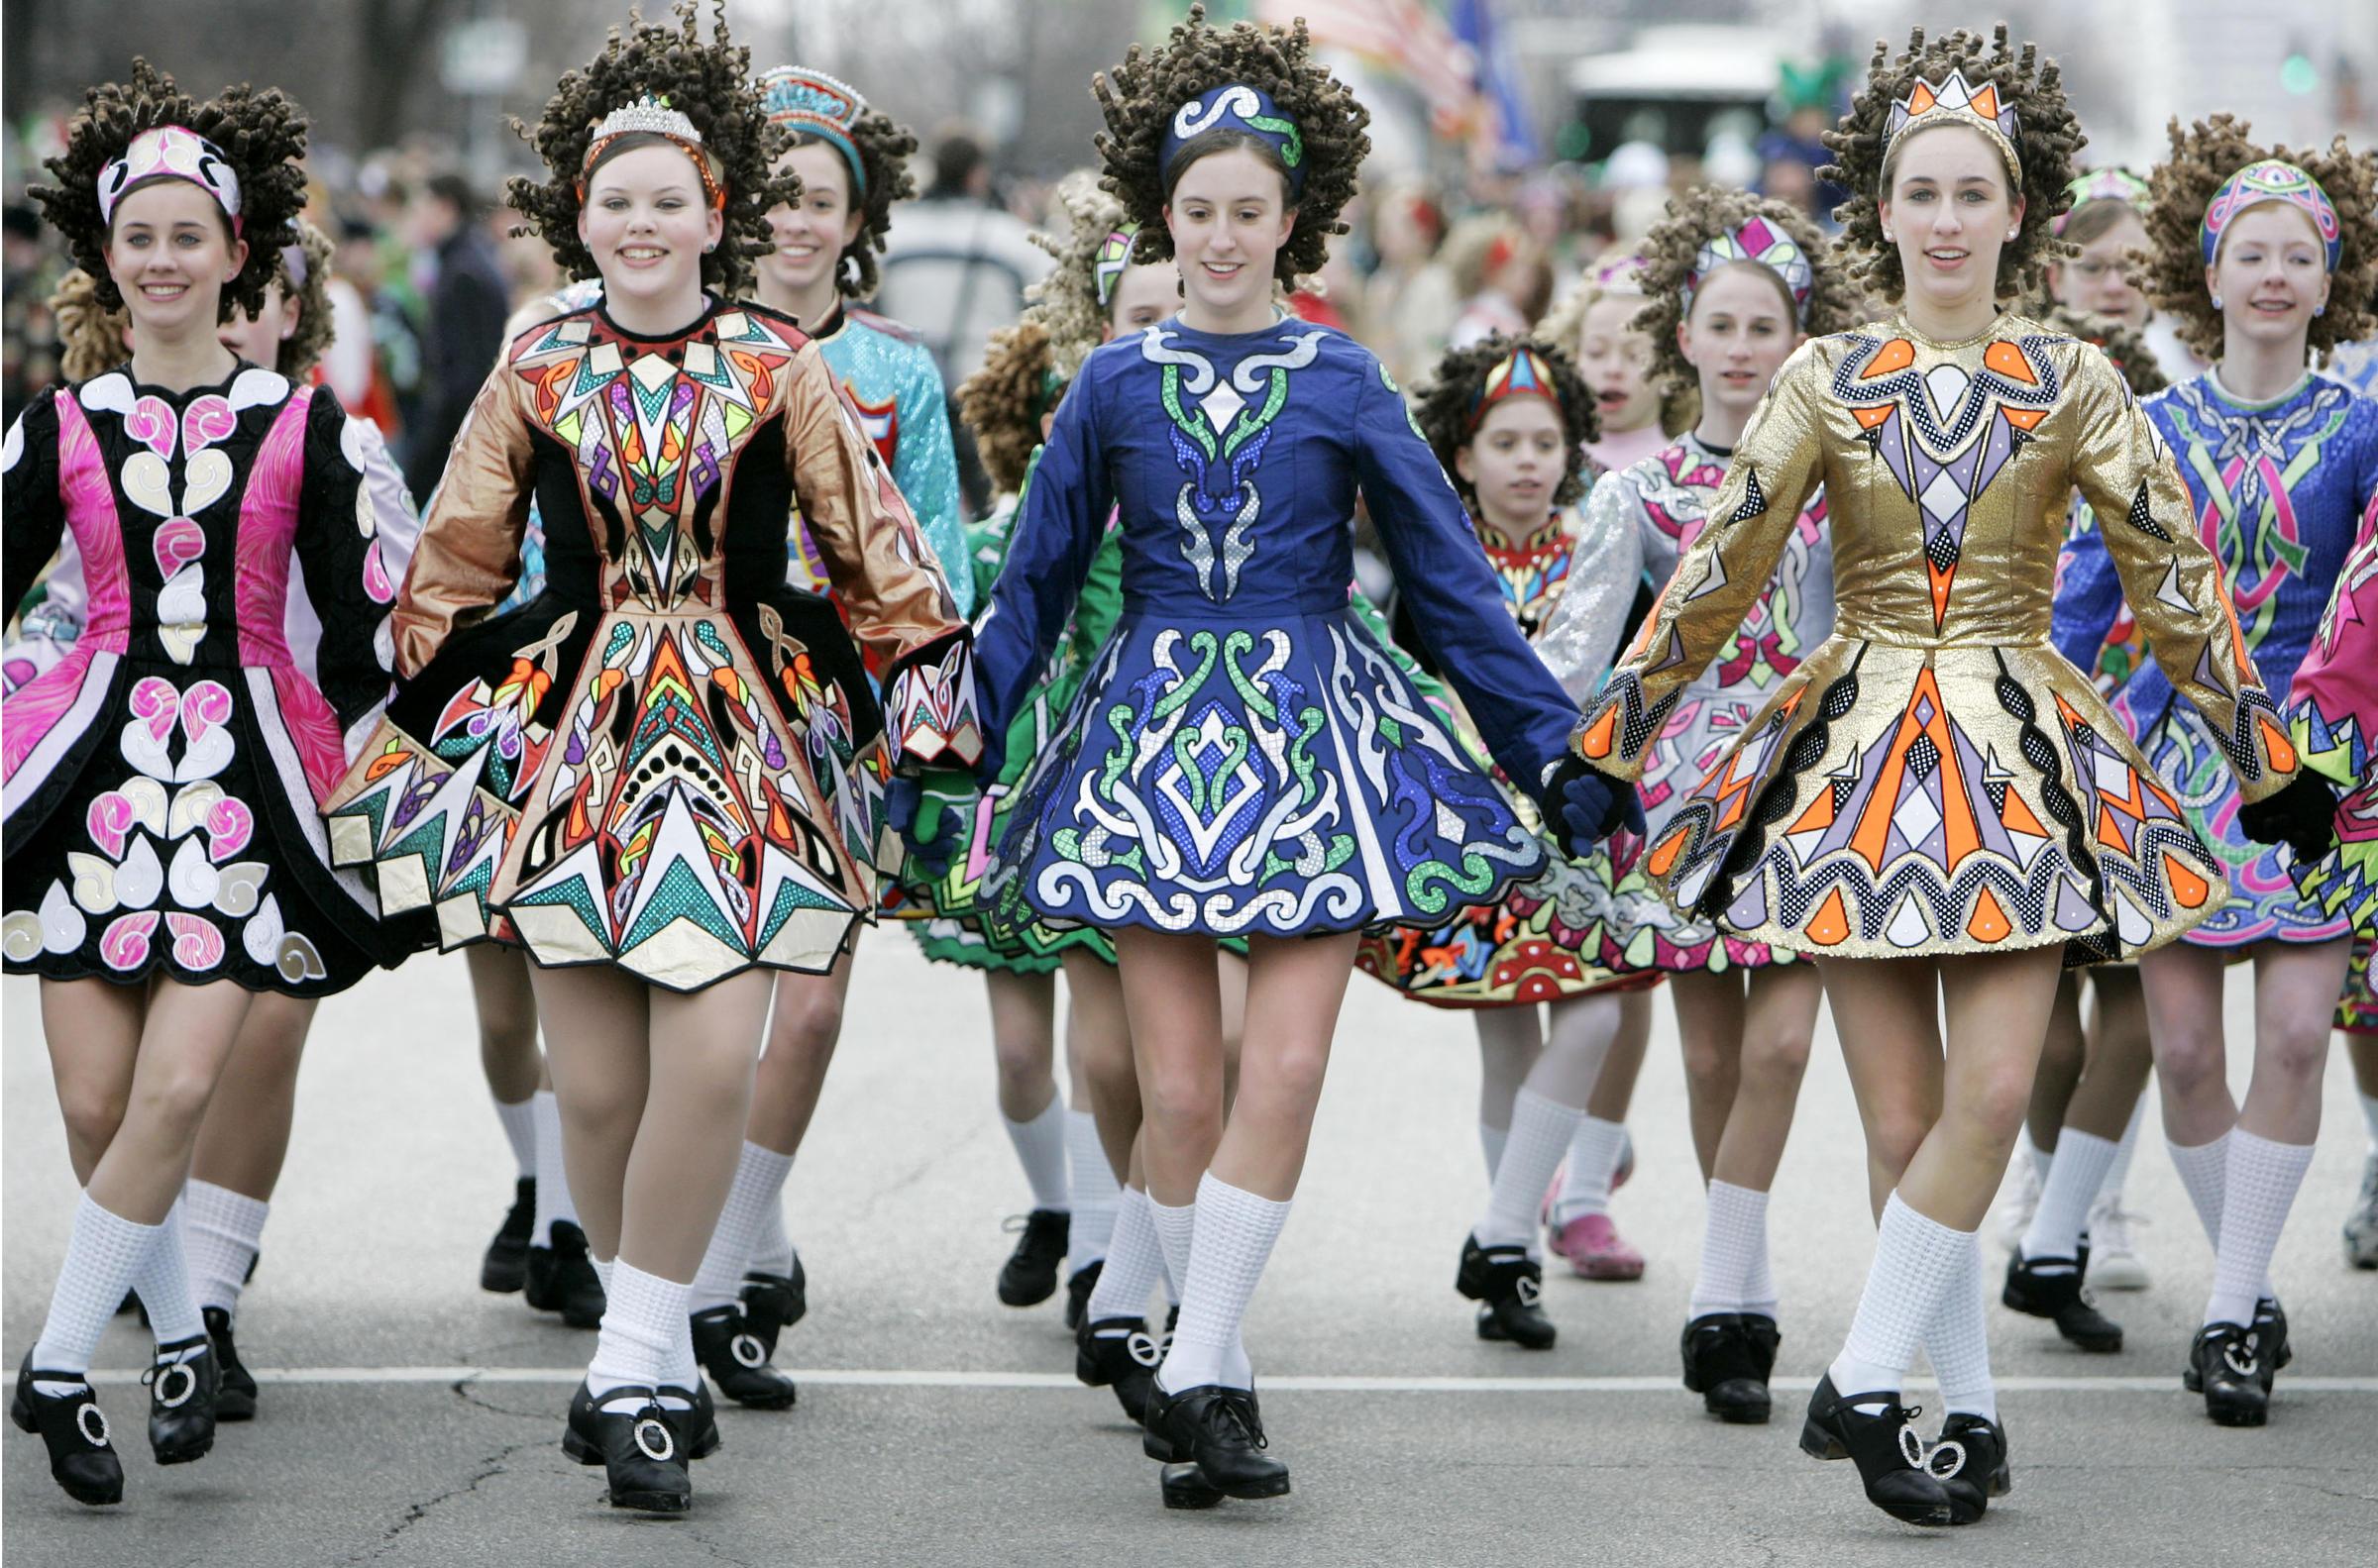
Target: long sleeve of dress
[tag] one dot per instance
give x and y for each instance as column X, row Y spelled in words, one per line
column 468, row 554
column 1455, row 605
column 925, row 466
column 1605, row 564
column 36, row 513
column 2174, row 584
column 337, row 547
column 1777, row 462
column 900, row 604
column 1059, row 525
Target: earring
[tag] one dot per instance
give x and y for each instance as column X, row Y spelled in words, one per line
column 2014, row 235
column 2217, row 301
column 1890, row 238
column 2321, row 309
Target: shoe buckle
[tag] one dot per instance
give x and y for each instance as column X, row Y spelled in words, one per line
column 1950, row 1449
column 2239, row 1356
column 170, row 1385
column 1911, row 1443
column 1530, row 1290
column 656, row 1439
column 92, row 1421
column 748, row 1352
column 1144, row 1348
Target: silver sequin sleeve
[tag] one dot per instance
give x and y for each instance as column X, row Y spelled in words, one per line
column 1581, row 640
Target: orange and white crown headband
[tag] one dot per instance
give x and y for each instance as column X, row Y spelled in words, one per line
column 653, row 117
column 1959, row 100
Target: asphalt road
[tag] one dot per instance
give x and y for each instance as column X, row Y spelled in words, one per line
column 409, row 1419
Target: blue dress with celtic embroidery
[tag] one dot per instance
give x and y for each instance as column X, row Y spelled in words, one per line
column 2279, row 488
column 1243, row 757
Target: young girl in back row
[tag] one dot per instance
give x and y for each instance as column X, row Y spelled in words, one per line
column 1936, row 804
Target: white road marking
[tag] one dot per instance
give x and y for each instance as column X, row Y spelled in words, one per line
column 930, row 1378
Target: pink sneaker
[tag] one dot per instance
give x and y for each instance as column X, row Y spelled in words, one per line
column 1618, row 1179
column 1595, row 1250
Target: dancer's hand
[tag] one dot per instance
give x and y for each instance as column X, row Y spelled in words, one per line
column 902, row 799
column 2303, row 816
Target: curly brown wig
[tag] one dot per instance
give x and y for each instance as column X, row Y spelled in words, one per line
column 304, row 348
column 1139, row 97
column 262, row 134
column 1004, row 401
column 1065, row 302
column 2048, row 134
column 91, row 338
column 708, row 82
column 1672, row 246
column 2208, row 152
column 1443, row 408
column 2123, row 344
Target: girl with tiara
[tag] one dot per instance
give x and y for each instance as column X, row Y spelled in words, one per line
column 1243, row 759
column 2262, row 256
column 1509, row 421
column 852, row 162
column 651, row 777
column 1936, row 804
column 245, row 1134
column 164, row 860
column 1735, row 285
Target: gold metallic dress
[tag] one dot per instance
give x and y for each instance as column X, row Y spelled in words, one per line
column 1935, row 779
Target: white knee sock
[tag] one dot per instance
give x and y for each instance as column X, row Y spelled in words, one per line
column 1134, row 1261
column 602, row 1271
column 678, row 1369
column 163, row 1281
column 759, row 1180
column 2075, row 1177
column 2369, row 1117
column 2040, row 1158
column 2119, row 1173
column 1175, row 1229
column 1733, row 1246
column 521, row 1131
column 2259, row 1190
column 1915, row 1259
column 1491, row 1139
column 1041, row 1150
column 103, row 1254
column 220, row 1233
column 1957, row 1342
column 1094, row 1192
column 2204, row 1168
column 772, row 1249
column 553, row 1180
column 641, row 1319
column 1540, row 1135
column 1232, row 1240
column 1592, row 1158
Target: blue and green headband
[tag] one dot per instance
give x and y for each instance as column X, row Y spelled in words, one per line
column 1235, row 106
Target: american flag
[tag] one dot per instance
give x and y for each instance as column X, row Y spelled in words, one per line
column 1408, row 37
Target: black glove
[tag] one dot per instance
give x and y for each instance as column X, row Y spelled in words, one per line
column 2303, row 816
column 902, row 797
column 1582, row 805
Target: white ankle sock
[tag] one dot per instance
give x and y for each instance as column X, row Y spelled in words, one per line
column 1592, row 1158
column 641, row 1321
column 103, row 1254
column 2119, row 1173
column 1491, row 1140
column 1915, row 1259
column 2259, row 1190
column 1134, row 1261
column 553, row 1180
column 1094, row 1192
column 521, row 1131
column 1957, row 1342
column 2039, row 1157
column 1540, row 1135
column 679, row 1368
column 1041, row 1150
column 759, row 1180
column 2075, row 1177
column 1232, row 1240
column 163, row 1281
column 220, row 1233
column 1733, row 1247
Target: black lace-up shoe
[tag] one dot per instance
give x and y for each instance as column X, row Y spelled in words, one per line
column 1186, row 1487
column 82, row 1460
column 1878, row 1432
column 506, row 1267
column 1511, row 1285
column 1029, row 1276
column 1726, row 1367
column 561, row 1278
column 236, row 1401
column 1078, row 1289
column 1220, row 1429
column 2228, row 1363
column 2051, row 1288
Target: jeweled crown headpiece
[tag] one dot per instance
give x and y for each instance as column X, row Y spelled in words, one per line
column 2104, row 185
column 172, row 152
column 2272, row 179
column 815, row 104
column 1238, row 107
column 1959, row 100
column 652, row 116
column 1765, row 244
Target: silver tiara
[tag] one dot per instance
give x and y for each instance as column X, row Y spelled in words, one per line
column 648, row 114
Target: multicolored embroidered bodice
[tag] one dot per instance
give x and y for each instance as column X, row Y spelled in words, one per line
column 1535, row 570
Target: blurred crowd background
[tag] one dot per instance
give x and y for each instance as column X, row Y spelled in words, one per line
column 1515, row 140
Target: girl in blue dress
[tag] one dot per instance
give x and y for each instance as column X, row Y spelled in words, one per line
column 1244, row 759
column 2262, row 256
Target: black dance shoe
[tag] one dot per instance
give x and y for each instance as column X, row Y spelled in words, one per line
column 1727, row 1363
column 1220, row 1429
column 183, row 1384
column 561, row 1278
column 695, row 1414
column 1876, row 1431
column 1969, row 1463
column 1117, row 1353
column 774, row 1303
column 2050, row 1288
column 236, row 1401
column 639, row 1445
column 505, row 1266
column 2228, row 1363
column 1186, row 1487
column 75, row 1429
column 1511, row 1285
column 1029, row 1276
column 2270, row 1322
column 1077, row 1292
column 737, row 1362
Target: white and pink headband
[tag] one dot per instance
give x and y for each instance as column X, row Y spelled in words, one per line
column 173, row 152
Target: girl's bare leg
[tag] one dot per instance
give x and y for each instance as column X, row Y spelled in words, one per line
column 1709, row 1028
column 597, row 1034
